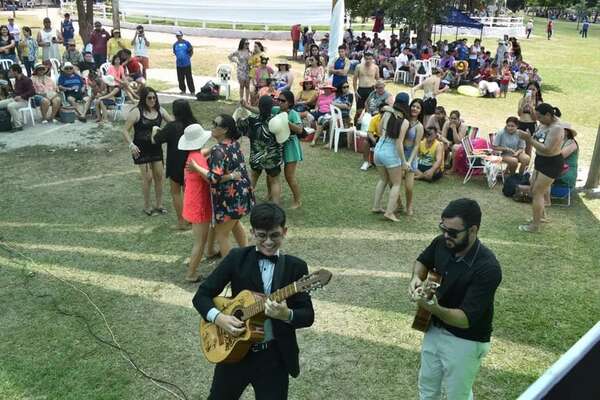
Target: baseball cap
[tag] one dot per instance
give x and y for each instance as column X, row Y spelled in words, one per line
column 178, row 33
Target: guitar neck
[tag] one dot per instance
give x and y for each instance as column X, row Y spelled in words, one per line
column 278, row 296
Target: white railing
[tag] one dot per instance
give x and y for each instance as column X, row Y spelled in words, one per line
column 507, row 22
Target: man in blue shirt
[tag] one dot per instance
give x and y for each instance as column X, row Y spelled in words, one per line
column 67, row 30
column 73, row 85
column 183, row 51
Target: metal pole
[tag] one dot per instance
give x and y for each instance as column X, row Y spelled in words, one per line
column 115, row 15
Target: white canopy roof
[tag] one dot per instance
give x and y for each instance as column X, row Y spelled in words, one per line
column 268, row 12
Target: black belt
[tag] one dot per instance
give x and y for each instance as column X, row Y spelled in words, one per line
column 262, row 346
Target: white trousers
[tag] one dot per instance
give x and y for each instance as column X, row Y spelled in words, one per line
column 450, row 362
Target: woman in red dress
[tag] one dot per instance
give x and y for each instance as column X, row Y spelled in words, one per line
column 197, row 207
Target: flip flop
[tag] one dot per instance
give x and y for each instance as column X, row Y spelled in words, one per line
column 213, row 256
column 160, row 210
column 148, row 211
column 527, row 228
column 194, row 279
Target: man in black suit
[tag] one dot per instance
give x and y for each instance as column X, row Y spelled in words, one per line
column 262, row 269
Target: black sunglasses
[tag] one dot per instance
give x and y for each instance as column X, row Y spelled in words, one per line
column 281, row 100
column 453, row 233
column 345, row 87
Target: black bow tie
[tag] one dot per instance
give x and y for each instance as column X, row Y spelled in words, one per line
column 271, row 259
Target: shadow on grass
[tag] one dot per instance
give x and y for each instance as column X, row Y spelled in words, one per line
column 56, row 358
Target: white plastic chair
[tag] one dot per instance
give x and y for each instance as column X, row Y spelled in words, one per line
column 364, row 129
column 224, row 72
column 55, row 71
column 119, row 104
column 421, row 77
column 435, row 61
column 28, row 109
column 5, row 64
column 104, row 68
column 400, row 74
column 336, row 127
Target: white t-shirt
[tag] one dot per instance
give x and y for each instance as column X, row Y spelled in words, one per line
column 139, row 47
column 401, row 60
column 15, row 31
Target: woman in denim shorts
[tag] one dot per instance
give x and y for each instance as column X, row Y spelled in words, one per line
column 392, row 130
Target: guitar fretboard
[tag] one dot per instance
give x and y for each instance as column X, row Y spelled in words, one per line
column 278, row 296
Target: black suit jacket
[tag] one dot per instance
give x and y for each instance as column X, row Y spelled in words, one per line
column 240, row 267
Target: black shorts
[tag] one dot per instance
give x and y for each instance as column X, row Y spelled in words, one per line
column 272, row 172
column 77, row 95
column 528, row 126
column 552, row 166
column 430, row 105
column 425, row 168
column 363, row 93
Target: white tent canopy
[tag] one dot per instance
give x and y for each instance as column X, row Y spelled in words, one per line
column 267, row 12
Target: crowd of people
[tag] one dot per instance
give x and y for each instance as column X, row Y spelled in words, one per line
column 69, row 81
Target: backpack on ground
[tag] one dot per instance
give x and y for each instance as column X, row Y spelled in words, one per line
column 5, row 121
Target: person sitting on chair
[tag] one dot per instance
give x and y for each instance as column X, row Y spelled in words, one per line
column 262, row 268
column 46, row 93
column 512, row 147
column 73, row 87
column 430, row 166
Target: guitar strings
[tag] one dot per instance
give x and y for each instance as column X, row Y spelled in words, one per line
column 29, row 274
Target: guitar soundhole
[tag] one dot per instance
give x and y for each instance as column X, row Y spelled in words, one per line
column 239, row 314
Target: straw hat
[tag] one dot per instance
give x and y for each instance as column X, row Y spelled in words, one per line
column 194, row 137
column 280, row 127
column 40, row 66
column 109, row 80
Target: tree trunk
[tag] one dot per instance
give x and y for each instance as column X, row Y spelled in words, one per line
column 115, row 15
column 593, row 178
column 85, row 19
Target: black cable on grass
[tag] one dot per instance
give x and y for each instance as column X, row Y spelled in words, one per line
column 28, row 275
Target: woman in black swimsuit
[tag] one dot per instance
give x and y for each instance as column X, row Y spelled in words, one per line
column 147, row 155
column 549, row 161
column 526, row 110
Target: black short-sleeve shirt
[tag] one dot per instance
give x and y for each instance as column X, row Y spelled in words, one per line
column 468, row 283
column 176, row 158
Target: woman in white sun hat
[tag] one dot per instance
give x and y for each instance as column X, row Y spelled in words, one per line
column 197, row 207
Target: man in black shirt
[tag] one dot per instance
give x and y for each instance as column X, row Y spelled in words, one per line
column 462, row 308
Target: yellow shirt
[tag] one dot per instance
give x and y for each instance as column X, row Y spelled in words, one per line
column 427, row 154
column 254, row 62
column 114, row 45
column 374, row 125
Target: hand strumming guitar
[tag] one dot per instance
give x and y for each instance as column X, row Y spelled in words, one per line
column 230, row 324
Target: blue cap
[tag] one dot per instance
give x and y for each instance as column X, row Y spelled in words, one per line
column 402, row 98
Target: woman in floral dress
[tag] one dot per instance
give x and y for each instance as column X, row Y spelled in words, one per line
column 241, row 58
column 230, row 187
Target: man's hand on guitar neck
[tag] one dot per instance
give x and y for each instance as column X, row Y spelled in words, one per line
column 230, row 324
column 415, row 282
column 277, row 310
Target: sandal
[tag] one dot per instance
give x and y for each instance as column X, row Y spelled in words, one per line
column 529, row 229
column 160, row 210
column 213, row 256
column 194, row 278
column 148, row 211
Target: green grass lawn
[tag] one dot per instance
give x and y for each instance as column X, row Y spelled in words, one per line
column 79, row 216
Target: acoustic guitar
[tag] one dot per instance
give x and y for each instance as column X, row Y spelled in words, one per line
column 219, row 346
column 427, row 290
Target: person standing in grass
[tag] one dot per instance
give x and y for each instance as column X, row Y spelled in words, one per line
column 184, row 51
column 241, row 59
column 458, row 337
column 230, row 187
column 28, row 50
column 67, row 29
column 176, row 158
column 99, row 38
column 195, row 206
column 145, row 154
column 261, row 268
column 140, row 47
column 548, row 163
column 409, row 150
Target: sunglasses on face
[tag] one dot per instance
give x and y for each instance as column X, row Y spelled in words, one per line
column 453, row 233
column 345, row 87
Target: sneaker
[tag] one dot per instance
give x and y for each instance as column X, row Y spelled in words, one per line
column 365, row 166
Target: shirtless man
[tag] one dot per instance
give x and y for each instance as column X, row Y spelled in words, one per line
column 363, row 82
column 431, row 88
